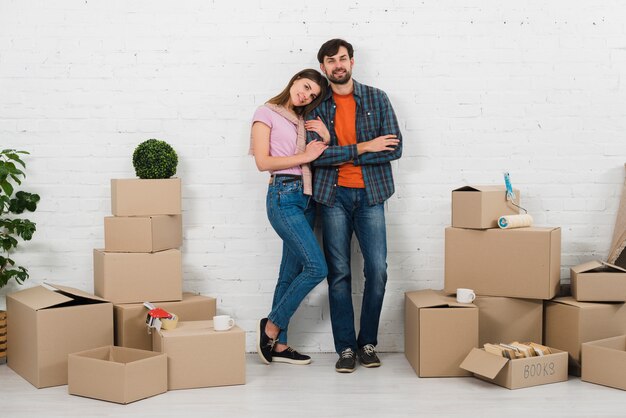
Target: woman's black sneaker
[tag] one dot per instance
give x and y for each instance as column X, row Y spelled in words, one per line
column 368, row 357
column 264, row 344
column 290, row 356
column 346, row 362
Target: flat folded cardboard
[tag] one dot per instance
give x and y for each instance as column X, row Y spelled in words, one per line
column 138, row 277
column 569, row 323
column 605, row 362
column 522, row 263
column 617, row 255
column 46, row 323
column 502, row 320
column 117, row 374
column 438, row 333
column 198, row 356
column 141, row 197
column 130, row 319
column 480, row 207
column 518, row 373
column 142, row 234
column 597, row 281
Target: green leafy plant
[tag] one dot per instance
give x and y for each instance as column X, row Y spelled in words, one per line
column 155, row 159
column 13, row 202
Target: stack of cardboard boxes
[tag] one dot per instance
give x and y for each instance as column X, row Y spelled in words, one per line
column 512, row 272
column 106, row 335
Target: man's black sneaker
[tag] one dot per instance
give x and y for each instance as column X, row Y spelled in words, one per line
column 346, row 362
column 264, row 344
column 290, row 356
column 368, row 357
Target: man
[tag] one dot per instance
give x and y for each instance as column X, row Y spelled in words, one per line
column 352, row 181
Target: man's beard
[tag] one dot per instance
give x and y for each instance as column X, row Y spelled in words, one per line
column 346, row 78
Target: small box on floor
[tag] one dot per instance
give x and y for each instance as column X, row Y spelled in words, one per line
column 198, row 356
column 141, row 197
column 605, row 362
column 503, row 319
column 569, row 323
column 138, row 277
column 517, row 373
column 480, row 207
column 46, row 323
column 117, row 374
column 438, row 333
column 142, row 234
column 597, row 281
column 130, row 319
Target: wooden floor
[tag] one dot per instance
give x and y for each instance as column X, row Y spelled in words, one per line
column 316, row 390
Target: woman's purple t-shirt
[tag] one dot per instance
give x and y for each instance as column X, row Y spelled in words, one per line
column 283, row 136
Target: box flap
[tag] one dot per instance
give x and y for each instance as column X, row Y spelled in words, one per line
column 568, row 300
column 483, row 188
column 76, row 292
column 39, row 297
column 483, row 363
column 590, row 265
column 435, row 298
column 621, row 269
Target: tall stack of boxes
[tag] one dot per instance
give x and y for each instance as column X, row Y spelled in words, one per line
column 511, row 271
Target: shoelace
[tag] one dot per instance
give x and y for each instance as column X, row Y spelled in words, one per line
column 369, row 349
column 348, row 353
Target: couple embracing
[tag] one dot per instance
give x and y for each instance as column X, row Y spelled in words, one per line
column 327, row 143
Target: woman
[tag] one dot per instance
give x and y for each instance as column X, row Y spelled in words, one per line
column 278, row 143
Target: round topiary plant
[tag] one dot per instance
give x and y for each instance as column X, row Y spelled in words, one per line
column 154, row 159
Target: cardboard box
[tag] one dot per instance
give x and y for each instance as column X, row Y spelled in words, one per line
column 46, row 323
column 141, row 197
column 438, row 333
column 117, row 374
column 138, row 277
column 605, row 362
column 199, row 356
column 597, row 281
column 569, row 323
column 518, row 373
column 522, row 263
column 480, row 207
column 130, row 319
column 502, row 320
column 142, row 234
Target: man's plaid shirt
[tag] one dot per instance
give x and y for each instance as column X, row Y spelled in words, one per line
column 374, row 117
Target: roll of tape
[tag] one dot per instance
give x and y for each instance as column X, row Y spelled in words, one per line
column 515, row 221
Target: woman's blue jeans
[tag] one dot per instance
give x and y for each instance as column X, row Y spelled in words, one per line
column 292, row 215
column 350, row 214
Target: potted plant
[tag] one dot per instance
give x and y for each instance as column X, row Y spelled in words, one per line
column 155, row 159
column 13, row 202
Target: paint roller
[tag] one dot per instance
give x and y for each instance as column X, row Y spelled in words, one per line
column 513, row 221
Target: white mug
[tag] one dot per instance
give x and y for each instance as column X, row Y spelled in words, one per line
column 223, row 322
column 465, row 295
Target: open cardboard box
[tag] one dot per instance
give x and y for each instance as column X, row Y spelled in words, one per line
column 605, row 362
column 480, row 207
column 518, row 373
column 117, row 374
column 597, row 281
column 46, row 323
column 503, row 319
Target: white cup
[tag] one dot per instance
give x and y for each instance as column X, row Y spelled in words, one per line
column 223, row 322
column 465, row 295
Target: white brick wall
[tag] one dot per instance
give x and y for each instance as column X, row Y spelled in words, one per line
column 535, row 88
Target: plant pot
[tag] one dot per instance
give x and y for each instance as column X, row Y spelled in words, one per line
column 3, row 337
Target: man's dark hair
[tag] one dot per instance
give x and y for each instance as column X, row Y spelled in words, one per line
column 331, row 48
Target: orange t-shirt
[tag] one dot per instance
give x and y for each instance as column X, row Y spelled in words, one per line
column 350, row 175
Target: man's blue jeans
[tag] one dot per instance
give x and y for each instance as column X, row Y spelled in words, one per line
column 292, row 215
column 352, row 213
